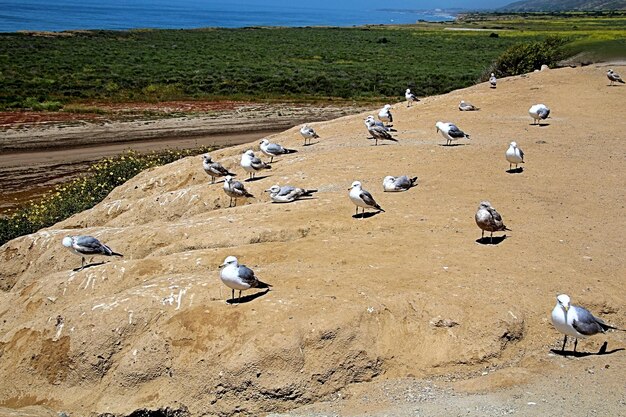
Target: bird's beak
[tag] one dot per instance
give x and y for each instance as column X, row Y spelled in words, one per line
column 267, row 191
column 222, row 265
column 566, row 307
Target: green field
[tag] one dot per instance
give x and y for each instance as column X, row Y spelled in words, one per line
column 47, row 71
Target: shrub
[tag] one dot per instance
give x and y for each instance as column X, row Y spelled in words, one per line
column 527, row 57
column 84, row 192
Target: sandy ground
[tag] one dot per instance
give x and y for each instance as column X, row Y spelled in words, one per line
column 39, row 150
column 401, row 313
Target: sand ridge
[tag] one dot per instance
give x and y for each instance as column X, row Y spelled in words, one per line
column 405, row 293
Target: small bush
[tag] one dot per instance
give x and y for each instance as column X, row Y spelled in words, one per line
column 84, row 192
column 527, row 57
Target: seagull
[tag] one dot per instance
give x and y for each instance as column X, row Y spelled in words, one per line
column 274, row 149
column 287, row 193
column 235, row 190
column 614, row 77
column 402, row 183
column 493, row 80
column 539, row 112
column 308, row 133
column 87, row 246
column 378, row 123
column 239, row 277
column 214, row 169
column 514, row 155
column 575, row 321
column 251, row 164
column 362, row 198
column 465, row 106
column 488, row 219
column 410, row 97
column 384, row 115
column 450, row 131
column 377, row 131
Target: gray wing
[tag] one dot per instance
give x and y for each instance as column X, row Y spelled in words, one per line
column 247, row 275
column 275, row 149
column 368, row 199
column 379, row 132
column 455, row 132
column 286, row 190
column 89, row 245
column 403, row 182
column 494, row 214
column 521, row 153
column 587, row 324
column 543, row 113
column 219, row 169
column 238, row 188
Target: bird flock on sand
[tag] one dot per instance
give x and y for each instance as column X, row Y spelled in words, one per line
column 569, row 319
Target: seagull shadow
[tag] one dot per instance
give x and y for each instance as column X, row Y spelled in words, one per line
column 517, row 170
column 601, row 352
column 248, row 298
column 488, row 241
column 366, row 215
column 80, row 268
column 452, row 145
column 540, row 124
column 311, row 143
column 257, row 178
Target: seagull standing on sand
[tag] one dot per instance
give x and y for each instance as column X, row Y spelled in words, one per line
column 308, row 133
column 287, row 193
column 87, row 246
column 384, row 115
column 614, row 77
column 493, row 80
column 362, row 198
column 401, row 183
column 235, row 190
column 539, row 112
column 377, row 131
column 214, row 169
column 465, row 106
column 514, row 155
column 410, row 97
column 488, row 219
column 252, row 164
column 575, row 321
column 239, row 277
column 450, row 132
column 274, row 149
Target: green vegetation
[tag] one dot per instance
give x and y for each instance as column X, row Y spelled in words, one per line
column 526, row 57
column 254, row 63
column 84, row 192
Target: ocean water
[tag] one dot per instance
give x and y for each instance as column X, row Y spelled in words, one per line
column 59, row 15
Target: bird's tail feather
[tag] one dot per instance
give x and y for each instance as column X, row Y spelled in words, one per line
column 467, row 136
column 261, row 284
column 116, row 254
column 380, row 208
column 309, row 192
column 413, row 181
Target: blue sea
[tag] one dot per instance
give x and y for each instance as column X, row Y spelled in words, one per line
column 59, row 15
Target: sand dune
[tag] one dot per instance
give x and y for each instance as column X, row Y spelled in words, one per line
column 400, row 296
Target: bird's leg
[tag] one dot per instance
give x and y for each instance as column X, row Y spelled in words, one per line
column 82, row 262
column 212, row 179
column 357, row 212
column 575, row 344
column 239, row 298
column 482, row 236
column 491, row 241
column 232, row 298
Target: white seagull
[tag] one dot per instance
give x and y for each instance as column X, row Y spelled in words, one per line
column 514, row 155
column 450, row 132
column 575, row 321
column 539, row 112
column 488, row 219
column 252, row 164
column 287, row 193
column 465, row 106
column 384, row 115
column 87, row 246
column 362, row 198
column 235, row 190
column 378, row 131
column 214, row 169
column 308, row 133
column 239, row 277
column 401, row 183
column 493, row 80
column 274, row 149
column 410, row 97
column 614, row 77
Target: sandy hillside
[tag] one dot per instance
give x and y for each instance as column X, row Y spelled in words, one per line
column 404, row 295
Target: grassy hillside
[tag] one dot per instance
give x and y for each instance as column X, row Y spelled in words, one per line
column 563, row 5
